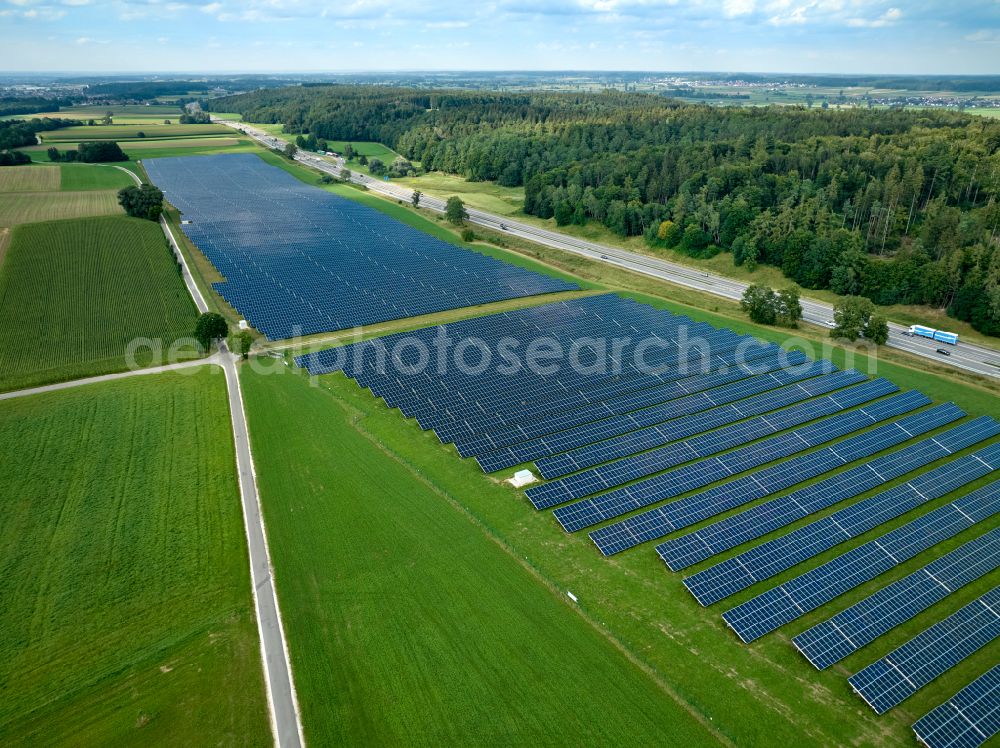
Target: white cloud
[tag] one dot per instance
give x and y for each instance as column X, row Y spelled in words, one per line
column 447, row 25
column 43, row 14
column 888, row 18
column 734, row 8
column 984, row 36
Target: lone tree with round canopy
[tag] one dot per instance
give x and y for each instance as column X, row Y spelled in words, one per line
column 210, row 327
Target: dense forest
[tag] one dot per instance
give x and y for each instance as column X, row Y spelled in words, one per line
column 898, row 206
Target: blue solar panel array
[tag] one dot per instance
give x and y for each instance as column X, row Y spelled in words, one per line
column 832, row 640
column 786, row 602
column 712, row 431
column 657, row 522
column 638, row 435
column 681, row 480
column 753, row 523
column 966, row 720
column 904, row 671
column 299, row 260
column 480, row 411
column 659, row 458
column 704, row 412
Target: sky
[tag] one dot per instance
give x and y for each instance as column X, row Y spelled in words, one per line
column 801, row 36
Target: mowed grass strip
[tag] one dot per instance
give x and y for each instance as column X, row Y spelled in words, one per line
column 33, row 207
column 127, row 615
column 128, row 132
column 80, row 177
column 407, row 623
column 74, row 294
column 28, row 179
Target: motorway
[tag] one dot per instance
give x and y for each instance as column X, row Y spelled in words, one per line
column 974, row 358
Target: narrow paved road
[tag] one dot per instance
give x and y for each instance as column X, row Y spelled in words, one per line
column 216, row 359
column 978, row 359
column 281, row 697
column 274, row 650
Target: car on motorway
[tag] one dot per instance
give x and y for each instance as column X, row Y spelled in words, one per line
column 943, row 352
column 604, row 257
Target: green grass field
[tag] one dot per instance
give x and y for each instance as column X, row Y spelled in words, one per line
column 77, row 177
column 504, row 201
column 74, row 294
column 364, row 148
column 127, row 616
column 33, row 207
column 406, row 623
column 129, row 132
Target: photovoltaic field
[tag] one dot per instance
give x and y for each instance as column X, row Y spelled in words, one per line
column 299, row 260
column 748, row 461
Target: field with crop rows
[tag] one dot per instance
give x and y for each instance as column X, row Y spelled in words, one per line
column 73, row 294
column 29, row 179
column 128, row 132
column 32, row 207
column 218, row 142
column 127, row 616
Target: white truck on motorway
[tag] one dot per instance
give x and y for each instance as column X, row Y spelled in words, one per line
column 920, row 331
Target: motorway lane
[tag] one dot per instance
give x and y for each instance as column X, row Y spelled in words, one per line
column 974, row 358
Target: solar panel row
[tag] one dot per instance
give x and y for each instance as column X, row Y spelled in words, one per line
column 299, row 260
column 656, row 426
column 904, row 671
column 465, row 410
column 662, row 520
column 832, row 640
column 777, row 555
column 635, row 423
column 607, row 419
column 681, row 480
column 786, row 602
column 741, row 432
column 686, row 550
column 623, row 394
column 442, row 391
column 968, row 719
column 481, row 398
column 580, row 400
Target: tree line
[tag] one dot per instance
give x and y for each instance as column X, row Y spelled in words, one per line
column 897, row 206
column 17, row 133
